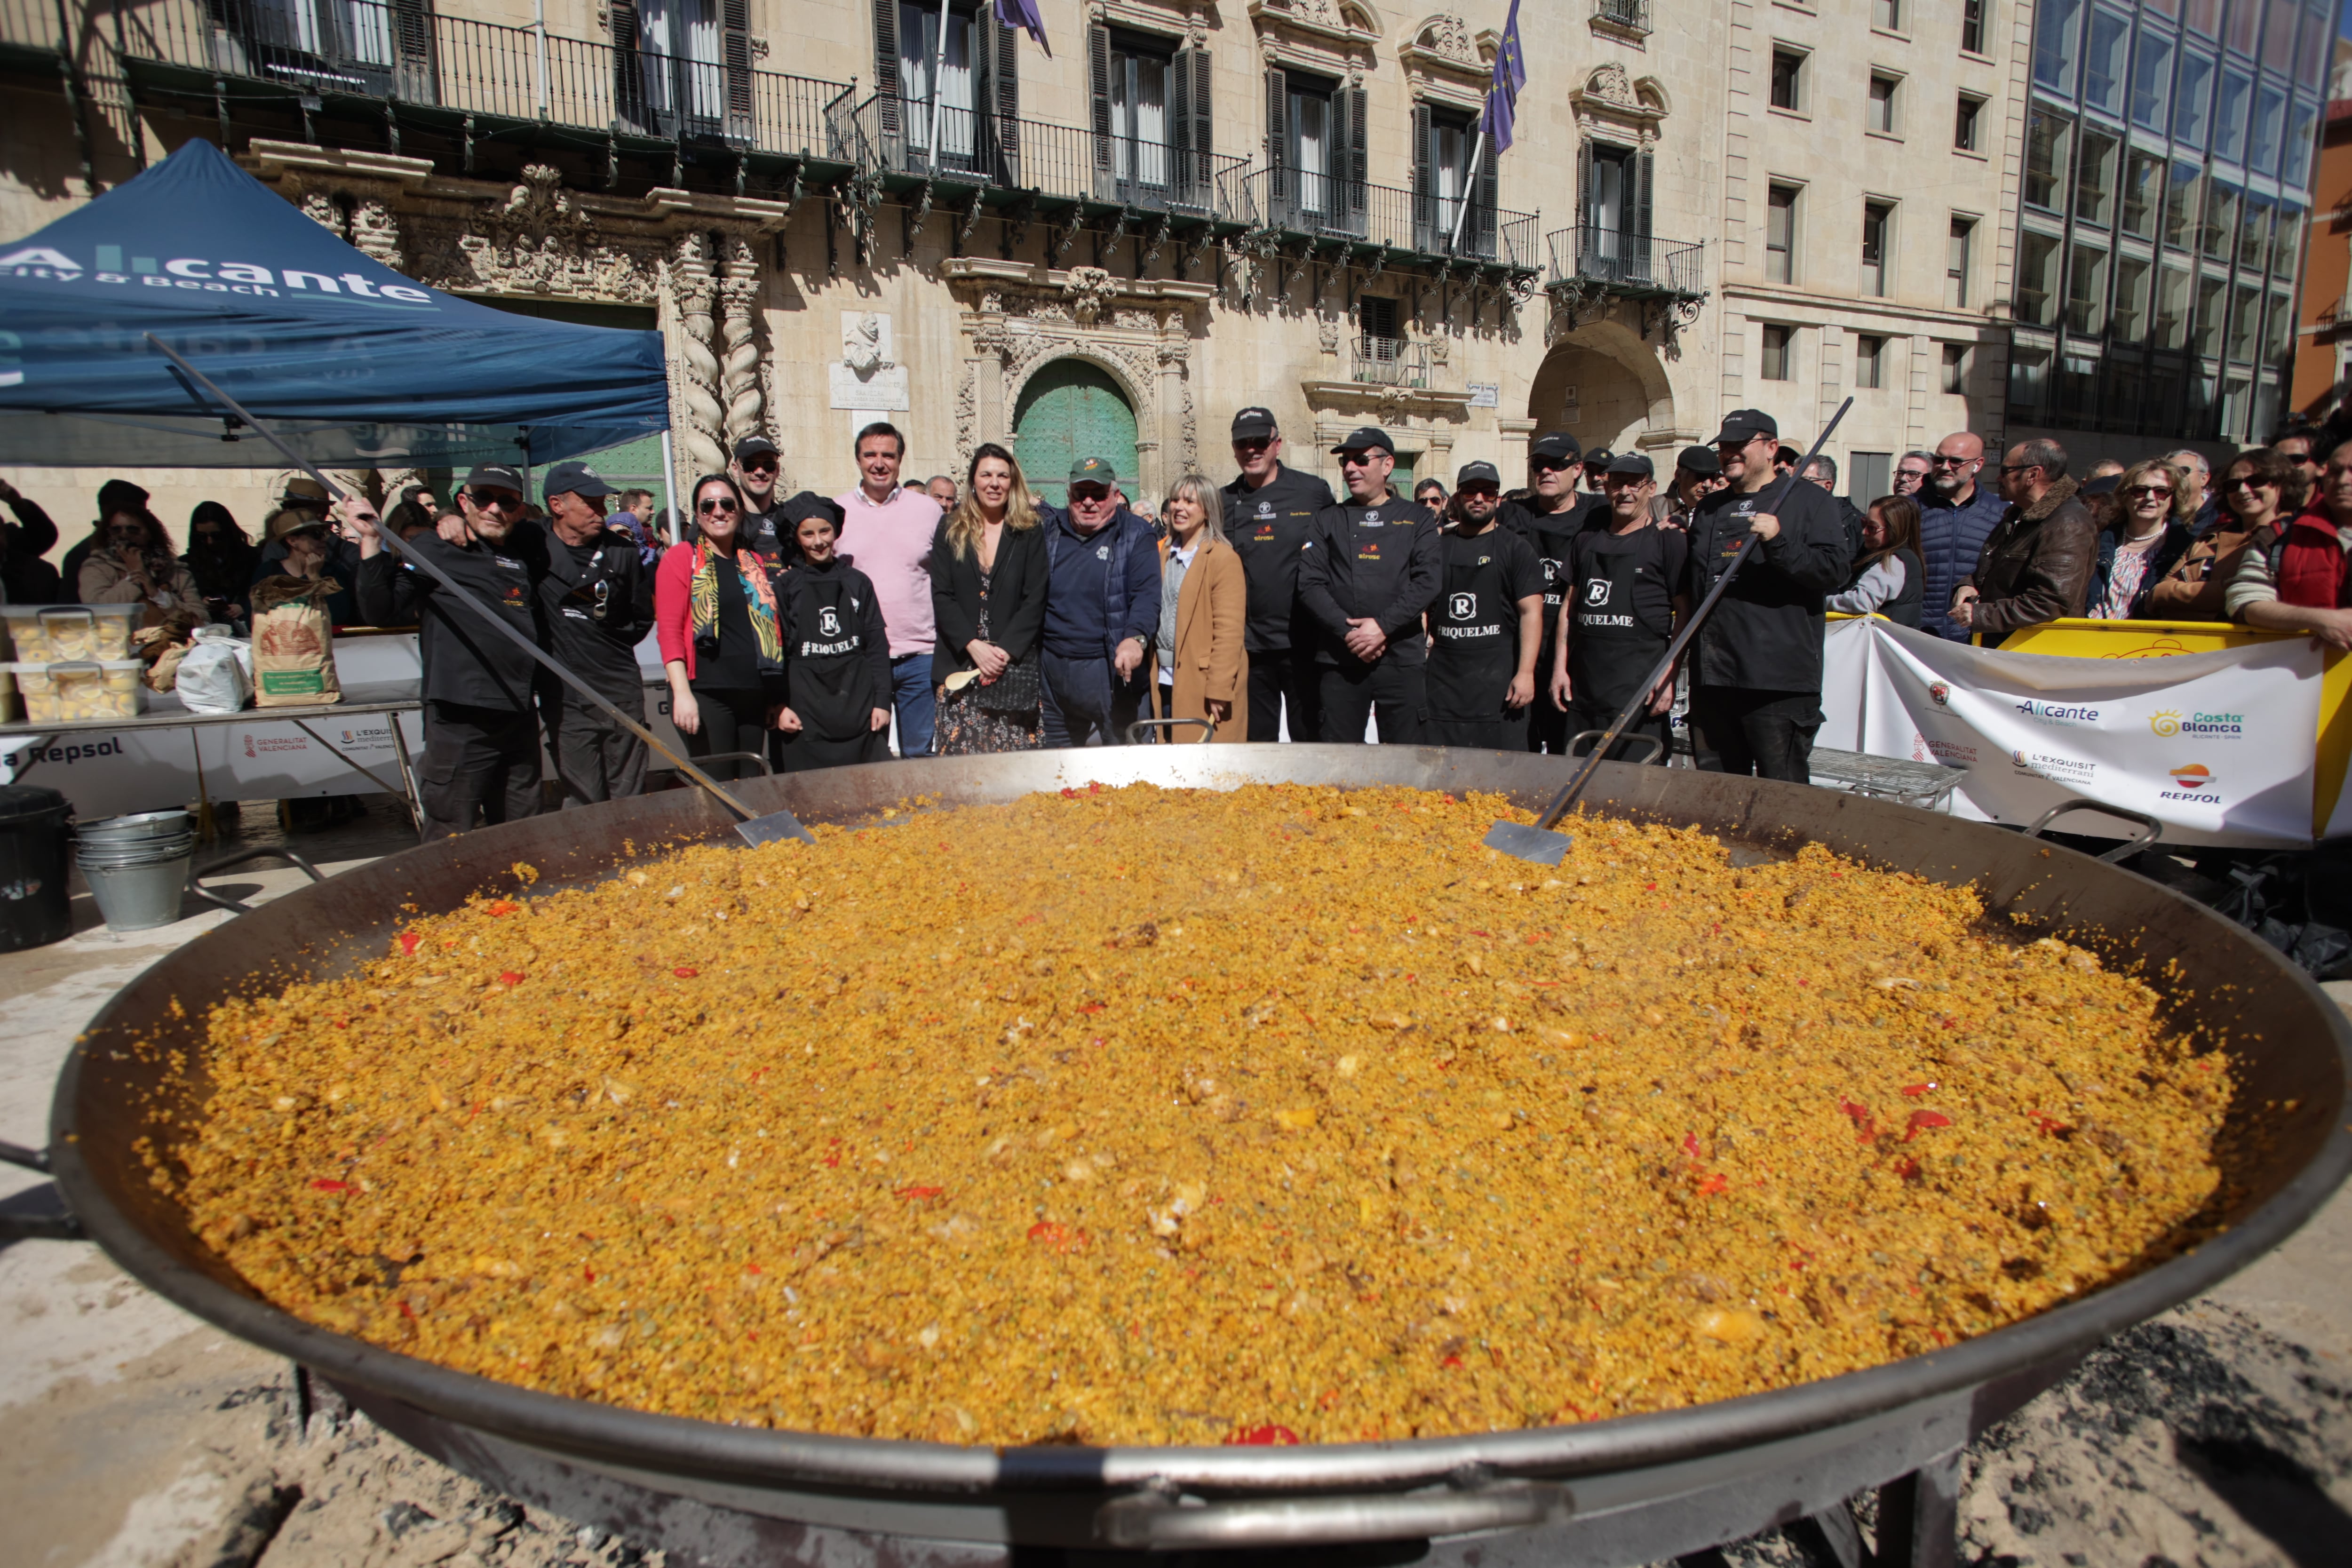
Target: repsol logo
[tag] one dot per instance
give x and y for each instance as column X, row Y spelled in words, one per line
column 199, row 273
column 70, row 754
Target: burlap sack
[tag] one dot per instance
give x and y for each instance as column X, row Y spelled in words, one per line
column 293, row 643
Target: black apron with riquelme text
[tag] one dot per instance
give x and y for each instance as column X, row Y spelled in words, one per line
column 1475, row 632
column 1622, row 616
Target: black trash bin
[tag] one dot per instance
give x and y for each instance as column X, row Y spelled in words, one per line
column 33, row 847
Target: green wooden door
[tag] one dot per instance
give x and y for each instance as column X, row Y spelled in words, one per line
column 1071, row 411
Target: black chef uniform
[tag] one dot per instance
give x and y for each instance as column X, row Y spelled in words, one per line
column 1475, row 640
column 1551, row 534
column 481, row 737
column 1267, row 528
column 837, row 665
column 1379, row 561
column 597, row 600
column 1620, row 617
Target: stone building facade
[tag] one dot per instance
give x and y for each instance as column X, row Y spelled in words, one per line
column 835, row 212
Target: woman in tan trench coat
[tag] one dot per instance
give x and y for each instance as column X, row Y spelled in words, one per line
column 1204, row 670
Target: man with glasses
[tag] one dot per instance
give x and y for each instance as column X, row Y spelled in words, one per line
column 757, row 471
column 1550, row 516
column 1488, row 625
column 1956, row 515
column 1102, row 612
column 1911, row 471
column 1371, row 570
column 481, row 732
column 888, row 530
column 1269, row 507
column 1626, row 594
column 2292, row 577
column 1698, row 473
column 2197, row 476
column 597, row 600
column 1756, row 665
column 2035, row 565
column 2299, row 445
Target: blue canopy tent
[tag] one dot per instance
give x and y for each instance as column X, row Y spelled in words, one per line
column 354, row 366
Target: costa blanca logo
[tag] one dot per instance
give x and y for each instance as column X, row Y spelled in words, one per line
column 2203, row 726
column 2167, row 723
column 1941, row 695
column 2194, row 776
column 2063, row 715
column 1462, row 606
column 828, row 623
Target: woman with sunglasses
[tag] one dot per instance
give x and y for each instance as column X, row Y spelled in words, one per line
column 2257, row 488
column 721, row 644
column 2149, row 533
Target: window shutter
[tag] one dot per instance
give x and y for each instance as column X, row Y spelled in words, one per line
column 1277, row 141
column 1188, row 93
column 1644, row 248
column 736, row 20
column 1099, row 92
column 1585, row 189
column 886, row 86
column 1354, row 167
column 411, row 31
column 1482, row 214
column 999, row 88
column 1424, row 173
column 628, row 75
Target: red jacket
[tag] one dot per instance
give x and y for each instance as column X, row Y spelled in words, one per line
column 673, row 606
column 2309, row 565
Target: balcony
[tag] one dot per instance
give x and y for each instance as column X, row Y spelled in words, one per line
column 910, row 141
column 31, row 29
column 1596, row 260
column 1414, row 226
column 1623, row 16
column 1391, row 362
column 449, row 67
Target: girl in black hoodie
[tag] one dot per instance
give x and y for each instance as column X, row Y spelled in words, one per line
column 836, row 656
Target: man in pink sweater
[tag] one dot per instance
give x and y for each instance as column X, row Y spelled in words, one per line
column 887, row 532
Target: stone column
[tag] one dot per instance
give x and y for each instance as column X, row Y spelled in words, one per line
column 700, row 422
column 739, row 290
column 1515, row 434
column 1177, row 442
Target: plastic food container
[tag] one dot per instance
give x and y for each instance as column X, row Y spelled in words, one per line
column 75, row 691
column 53, row 633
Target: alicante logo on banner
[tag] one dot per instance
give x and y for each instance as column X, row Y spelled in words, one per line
column 2196, row 780
column 2063, row 715
column 2198, row 726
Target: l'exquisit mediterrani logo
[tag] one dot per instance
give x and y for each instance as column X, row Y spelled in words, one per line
column 2198, row 726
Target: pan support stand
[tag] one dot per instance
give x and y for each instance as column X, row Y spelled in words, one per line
column 1919, row 1525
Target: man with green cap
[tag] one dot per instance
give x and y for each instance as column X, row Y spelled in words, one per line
column 1102, row 611
column 1371, row 570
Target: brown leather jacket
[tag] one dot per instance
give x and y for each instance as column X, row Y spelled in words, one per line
column 2035, row 565
column 2199, row 581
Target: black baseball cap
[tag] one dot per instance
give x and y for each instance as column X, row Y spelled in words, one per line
column 495, row 477
column 1478, row 473
column 575, row 478
column 1636, row 464
column 756, row 447
column 1600, row 455
column 1700, row 461
column 1742, row 426
column 1556, row 444
column 1366, row 437
column 1254, row 424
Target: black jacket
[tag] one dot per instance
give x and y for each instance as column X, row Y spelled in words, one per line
column 1386, row 561
column 24, row 575
column 465, row 660
column 1552, row 536
column 1016, row 599
column 1267, row 528
column 1765, row 633
column 597, row 610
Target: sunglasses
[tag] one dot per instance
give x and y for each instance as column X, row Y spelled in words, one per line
column 1254, row 444
column 1546, row 465
column 1091, row 494
column 501, row 498
column 1941, row 462
column 716, row 503
column 2162, row 492
column 762, row 466
column 2249, row 483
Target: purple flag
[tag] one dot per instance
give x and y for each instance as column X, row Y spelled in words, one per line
column 1510, row 75
column 1025, row 14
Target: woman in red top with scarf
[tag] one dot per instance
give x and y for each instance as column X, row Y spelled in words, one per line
column 715, row 612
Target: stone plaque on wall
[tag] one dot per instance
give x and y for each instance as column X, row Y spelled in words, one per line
column 884, row 389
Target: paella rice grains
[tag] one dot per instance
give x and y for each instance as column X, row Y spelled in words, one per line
column 1149, row 1116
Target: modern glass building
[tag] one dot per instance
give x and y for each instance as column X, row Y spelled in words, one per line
column 2162, row 209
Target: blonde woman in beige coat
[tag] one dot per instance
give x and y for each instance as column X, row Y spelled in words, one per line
column 1203, row 605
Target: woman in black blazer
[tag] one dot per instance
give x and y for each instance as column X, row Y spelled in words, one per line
column 988, row 596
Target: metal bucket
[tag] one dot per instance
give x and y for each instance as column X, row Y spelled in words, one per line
column 134, row 828
column 1633, row 1489
column 137, row 867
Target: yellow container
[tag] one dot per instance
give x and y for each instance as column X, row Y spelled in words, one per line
column 79, row 692
column 10, row 709
column 55, row 633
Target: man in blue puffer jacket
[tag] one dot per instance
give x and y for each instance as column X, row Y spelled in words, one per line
column 1102, row 610
column 1956, row 514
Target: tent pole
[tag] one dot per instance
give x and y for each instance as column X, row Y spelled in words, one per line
column 435, row 570
column 670, row 491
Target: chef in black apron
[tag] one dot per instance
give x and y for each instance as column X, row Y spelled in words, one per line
column 1549, row 515
column 836, row 657
column 1624, row 600
column 1487, row 624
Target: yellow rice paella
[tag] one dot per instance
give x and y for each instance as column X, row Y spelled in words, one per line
column 1147, row 1115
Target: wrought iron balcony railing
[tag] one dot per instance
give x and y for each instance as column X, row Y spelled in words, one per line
column 1391, row 362
column 34, row 26
column 1631, row 15
column 1625, row 262
column 1320, row 206
column 407, row 55
column 912, row 137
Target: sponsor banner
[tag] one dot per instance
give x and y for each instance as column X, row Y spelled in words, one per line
column 2217, row 746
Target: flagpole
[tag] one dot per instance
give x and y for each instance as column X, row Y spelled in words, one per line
column 1469, row 184
column 938, row 83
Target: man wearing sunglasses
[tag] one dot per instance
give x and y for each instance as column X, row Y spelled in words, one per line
column 1269, row 507
column 1487, row 624
column 1102, row 611
column 596, row 601
column 1627, row 581
column 757, row 470
column 2292, row 577
column 1373, row 567
column 1956, row 513
column 1548, row 517
column 2036, row 565
column 482, row 732
column 1756, row 665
